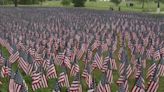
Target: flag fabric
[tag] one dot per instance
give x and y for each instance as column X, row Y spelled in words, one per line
column 63, row 79
column 76, row 86
column 75, row 68
column 17, row 83
column 97, row 61
column 81, row 52
column 23, row 64
column 139, row 85
column 153, row 84
column 157, row 55
column 38, row 79
column 92, row 87
column 151, row 70
column 87, row 75
column 5, row 70
column 57, row 87
column 51, row 71
column 162, row 51
column 161, row 66
column 14, row 57
column 123, row 84
column 103, row 86
column 11, row 82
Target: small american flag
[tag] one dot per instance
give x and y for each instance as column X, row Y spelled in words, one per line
column 63, row 79
column 51, row 71
column 139, row 85
column 157, row 55
column 87, row 74
column 154, row 82
column 76, row 86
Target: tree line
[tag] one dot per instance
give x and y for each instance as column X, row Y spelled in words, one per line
column 76, row 3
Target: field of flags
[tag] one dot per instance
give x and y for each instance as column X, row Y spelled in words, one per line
column 80, row 50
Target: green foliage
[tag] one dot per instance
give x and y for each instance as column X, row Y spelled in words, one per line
column 27, row 2
column 66, row 2
column 4, row 2
column 93, row 0
column 79, row 3
column 117, row 2
column 162, row 1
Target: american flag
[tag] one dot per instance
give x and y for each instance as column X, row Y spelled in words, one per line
column 60, row 57
column 63, row 79
column 92, row 87
column 23, row 64
column 9, row 48
column 51, row 71
column 104, row 47
column 95, row 45
column 109, row 76
column 139, row 85
column 76, row 86
column 161, row 66
column 81, row 52
column 67, row 62
column 63, row 59
column 154, row 82
column 57, row 87
column 38, row 59
column 11, row 82
column 32, row 51
column 138, row 68
column 104, row 86
column 14, row 57
column 125, row 66
column 151, row 70
column 105, row 64
column 17, row 83
column 38, row 79
column 2, row 42
column 5, row 72
column 87, row 74
column 109, row 61
column 75, row 68
column 157, row 55
column 123, row 84
column 162, row 51
column 97, row 61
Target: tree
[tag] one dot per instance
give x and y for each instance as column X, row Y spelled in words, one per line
column 15, row 3
column 65, row 2
column 79, row 3
column 143, row 3
column 28, row 2
column 117, row 2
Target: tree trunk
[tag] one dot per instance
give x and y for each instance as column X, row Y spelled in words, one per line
column 158, row 4
column 143, row 3
column 15, row 2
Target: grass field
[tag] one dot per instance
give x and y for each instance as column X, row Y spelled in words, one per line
column 97, row 73
column 149, row 6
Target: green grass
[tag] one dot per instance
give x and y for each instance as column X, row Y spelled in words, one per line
column 99, row 5
column 149, row 6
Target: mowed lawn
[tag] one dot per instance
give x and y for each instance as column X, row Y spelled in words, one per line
column 100, row 5
column 97, row 73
